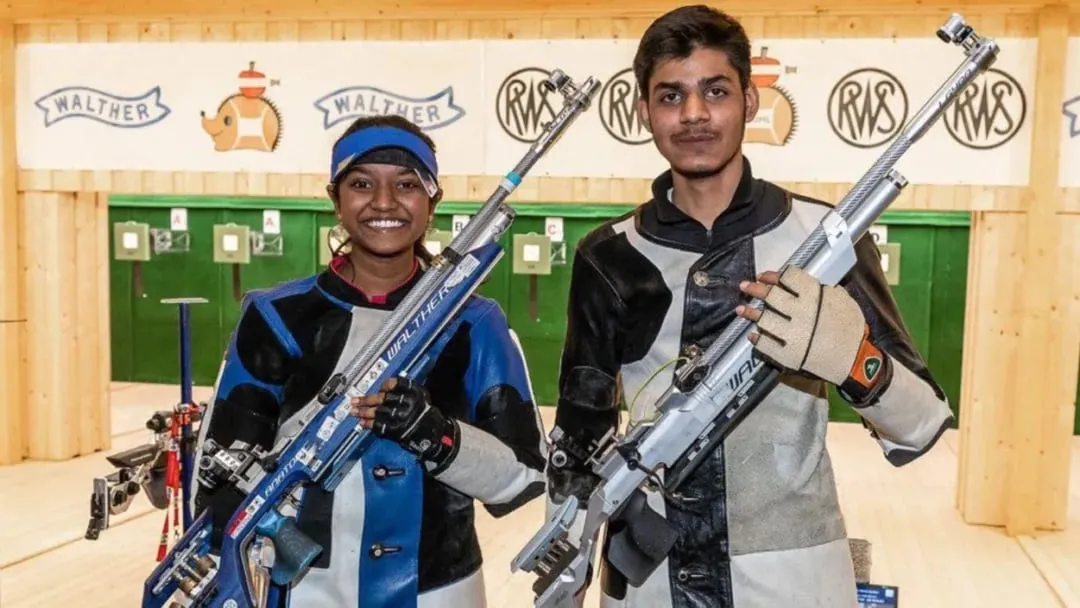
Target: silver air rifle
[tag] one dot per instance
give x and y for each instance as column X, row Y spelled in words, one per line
column 262, row 544
column 714, row 391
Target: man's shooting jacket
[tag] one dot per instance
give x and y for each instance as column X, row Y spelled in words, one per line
column 759, row 524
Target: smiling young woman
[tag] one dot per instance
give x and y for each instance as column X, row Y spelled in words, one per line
column 384, row 199
column 468, row 431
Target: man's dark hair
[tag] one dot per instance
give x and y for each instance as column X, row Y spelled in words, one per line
column 676, row 34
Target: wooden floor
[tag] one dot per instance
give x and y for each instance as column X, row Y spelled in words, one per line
column 919, row 540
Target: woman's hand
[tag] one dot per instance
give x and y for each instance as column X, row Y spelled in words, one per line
column 402, row 411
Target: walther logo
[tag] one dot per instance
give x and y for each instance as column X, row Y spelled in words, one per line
column 107, row 108
column 428, row 113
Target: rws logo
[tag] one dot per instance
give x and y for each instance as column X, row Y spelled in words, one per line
column 618, row 109
column 524, row 106
column 106, row 108
column 867, row 107
column 428, row 113
column 988, row 112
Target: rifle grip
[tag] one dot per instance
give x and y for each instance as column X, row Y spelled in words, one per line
column 639, row 539
column 294, row 550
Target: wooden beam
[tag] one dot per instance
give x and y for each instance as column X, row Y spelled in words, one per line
column 12, row 321
column 1022, row 348
column 66, row 392
column 28, row 11
column 91, row 323
column 1037, row 489
column 49, row 223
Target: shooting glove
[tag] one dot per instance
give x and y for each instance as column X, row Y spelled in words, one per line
column 407, row 417
column 821, row 330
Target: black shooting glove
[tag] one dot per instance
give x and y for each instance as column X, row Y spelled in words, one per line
column 402, row 412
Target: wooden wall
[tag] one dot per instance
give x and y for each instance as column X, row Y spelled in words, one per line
column 1022, row 336
column 12, row 316
column 1023, row 328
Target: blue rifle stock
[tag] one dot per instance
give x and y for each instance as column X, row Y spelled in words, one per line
column 714, row 391
column 322, row 443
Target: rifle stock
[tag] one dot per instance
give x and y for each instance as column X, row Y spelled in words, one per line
column 720, row 387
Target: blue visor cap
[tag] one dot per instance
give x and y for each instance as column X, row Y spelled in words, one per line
column 357, row 145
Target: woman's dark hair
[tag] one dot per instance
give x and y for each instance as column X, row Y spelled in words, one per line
column 676, row 34
column 389, row 120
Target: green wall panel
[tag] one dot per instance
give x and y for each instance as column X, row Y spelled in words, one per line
column 930, row 295
column 121, row 307
column 542, row 335
column 299, row 257
column 145, row 341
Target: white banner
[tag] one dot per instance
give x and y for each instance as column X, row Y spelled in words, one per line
column 608, row 141
column 851, row 98
column 261, row 107
column 1069, row 170
column 829, row 108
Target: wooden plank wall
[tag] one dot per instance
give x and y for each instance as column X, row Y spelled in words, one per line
column 67, row 372
column 1014, row 427
column 1022, row 333
column 12, row 319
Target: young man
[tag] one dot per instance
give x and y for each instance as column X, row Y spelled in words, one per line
column 399, row 530
column 759, row 524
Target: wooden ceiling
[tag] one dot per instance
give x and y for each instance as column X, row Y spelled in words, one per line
column 25, row 11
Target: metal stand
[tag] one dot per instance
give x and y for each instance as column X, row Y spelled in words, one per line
column 145, row 468
column 187, row 408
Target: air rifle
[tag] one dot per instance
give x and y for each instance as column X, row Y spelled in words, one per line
column 714, row 391
column 262, row 543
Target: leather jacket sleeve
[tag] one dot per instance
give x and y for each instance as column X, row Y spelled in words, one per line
column 588, row 404
column 908, row 410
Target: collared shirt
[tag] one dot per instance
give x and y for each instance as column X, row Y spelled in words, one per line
column 743, row 215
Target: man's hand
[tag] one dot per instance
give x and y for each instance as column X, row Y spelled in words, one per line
column 401, row 411
column 817, row 329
